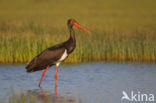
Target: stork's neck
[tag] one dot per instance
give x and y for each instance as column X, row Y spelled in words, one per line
column 72, row 34
column 71, row 42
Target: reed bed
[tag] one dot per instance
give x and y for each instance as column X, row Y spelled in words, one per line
column 120, row 31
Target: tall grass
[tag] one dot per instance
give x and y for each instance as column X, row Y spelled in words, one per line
column 121, row 30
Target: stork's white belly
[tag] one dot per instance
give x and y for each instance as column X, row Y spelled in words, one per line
column 64, row 56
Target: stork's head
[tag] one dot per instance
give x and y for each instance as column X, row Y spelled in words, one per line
column 72, row 22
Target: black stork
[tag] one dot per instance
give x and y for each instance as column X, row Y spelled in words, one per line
column 56, row 54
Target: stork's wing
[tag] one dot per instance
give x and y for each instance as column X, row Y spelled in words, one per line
column 48, row 57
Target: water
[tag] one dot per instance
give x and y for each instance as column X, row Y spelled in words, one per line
column 90, row 82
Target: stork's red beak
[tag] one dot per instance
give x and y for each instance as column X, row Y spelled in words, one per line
column 80, row 27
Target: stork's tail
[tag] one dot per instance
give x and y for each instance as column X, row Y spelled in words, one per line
column 30, row 65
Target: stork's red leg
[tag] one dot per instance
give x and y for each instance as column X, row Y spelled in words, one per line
column 56, row 75
column 56, row 84
column 43, row 75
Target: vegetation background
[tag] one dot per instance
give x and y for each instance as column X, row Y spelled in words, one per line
column 122, row 30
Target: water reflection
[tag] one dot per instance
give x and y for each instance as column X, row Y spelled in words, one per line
column 56, row 98
column 42, row 96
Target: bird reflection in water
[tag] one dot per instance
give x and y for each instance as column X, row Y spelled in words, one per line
column 46, row 97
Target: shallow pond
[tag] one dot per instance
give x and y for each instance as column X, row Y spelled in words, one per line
column 89, row 82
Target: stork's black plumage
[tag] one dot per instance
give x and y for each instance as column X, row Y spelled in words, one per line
column 56, row 54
